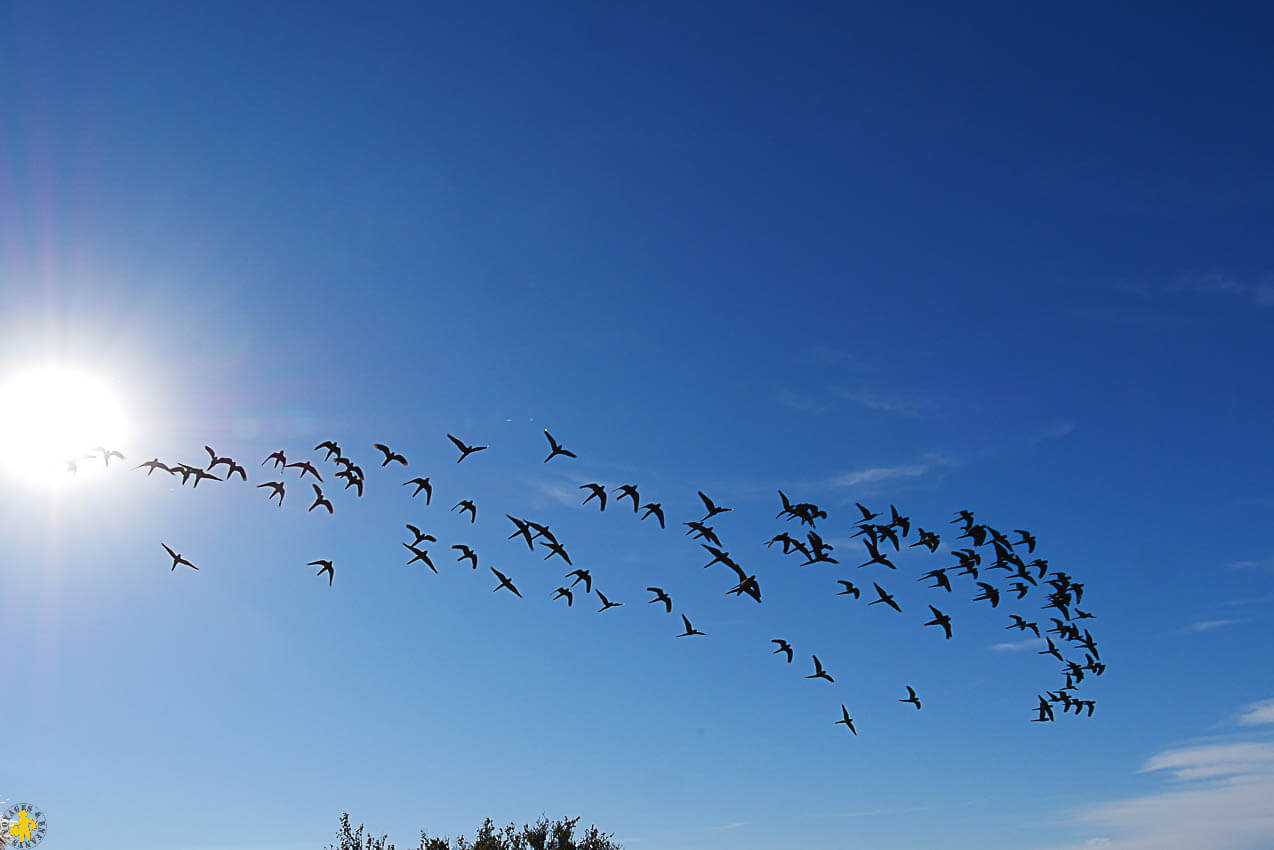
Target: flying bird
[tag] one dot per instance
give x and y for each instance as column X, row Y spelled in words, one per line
column 660, row 596
column 713, row 510
column 989, row 592
column 330, row 447
column 657, row 510
column 466, row 552
column 152, row 465
column 556, row 548
column 276, row 489
column 555, row 447
column 420, row 535
column 885, row 598
column 320, row 500
column 784, row 646
column 846, row 719
column 420, row 555
column 390, row 454
column 911, row 697
column 850, row 589
column 524, row 529
column 704, row 532
column 819, row 672
column 584, row 576
column 200, row 475
column 690, row 630
column 421, row 484
column 597, row 492
column 107, row 454
column 563, row 592
column 940, row 619
column 867, row 515
column 177, row 558
column 900, row 521
column 465, row 451
column 629, row 490
column 326, row 568
column 504, row 582
column 305, row 466
column 606, row 603
column 1022, row 625
column 468, row 505
column 278, row 457
column 1027, row 538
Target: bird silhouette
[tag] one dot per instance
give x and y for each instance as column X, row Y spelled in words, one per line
column 713, row 510
column 468, row 505
column 784, row 647
column 276, row 489
column 326, row 568
column 1027, row 538
column 420, row 535
column 152, row 465
column 629, row 490
column 989, row 592
column 504, row 582
column 305, row 466
column 556, row 448
column 420, row 555
column 846, row 719
column 177, row 558
column 597, row 492
column 200, row 475
column 236, row 468
column 107, row 454
column 819, row 672
column 556, row 548
column 850, row 589
column 1022, row 625
column 660, row 596
column 748, row 585
column 584, row 576
column 390, row 455
column 940, row 574
column 940, row 619
column 1045, row 711
column 867, row 515
column 278, row 457
column 899, row 521
column 718, row 556
column 320, row 500
column 911, row 697
column 690, row 630
column 703, row 532
column 606, row 603
column 330, row 447
column 657, row 510
column 885, row 598
column 421, row 484
column 524, row 529
column 466, row 552
column 565, row 592
column 876, row 557
column 465, row 451
column 214, row 459
column 927, row 539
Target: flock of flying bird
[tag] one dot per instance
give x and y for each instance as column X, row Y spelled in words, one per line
column 1063, row 598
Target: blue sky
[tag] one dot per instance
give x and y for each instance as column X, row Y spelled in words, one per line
column 1008, row 259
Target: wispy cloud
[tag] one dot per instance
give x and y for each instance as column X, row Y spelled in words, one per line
column 1253, row 564
column 1019, row 646
column 1260, row 294
column 878, row 474
column 899, row 405
column 1209, row 625
column 734, row 825
column 1257, row 714
column 1054, row 432
column 1221, row 798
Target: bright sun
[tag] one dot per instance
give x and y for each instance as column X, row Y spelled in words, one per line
column 52, row 420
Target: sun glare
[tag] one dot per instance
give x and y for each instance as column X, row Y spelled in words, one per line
column 53, row 422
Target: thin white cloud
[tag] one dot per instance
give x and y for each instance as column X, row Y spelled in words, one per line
column 1209, row 625
column 1061, row 429
column 877, row 474
column 734, row 825
column 1258, row 713
column 1253, row 564
column 899, row 405
column 1260, row 294
column 1019, row 646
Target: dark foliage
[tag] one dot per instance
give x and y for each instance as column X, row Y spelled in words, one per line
column 541, row 835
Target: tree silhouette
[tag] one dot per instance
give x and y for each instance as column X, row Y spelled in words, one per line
column 542, row 835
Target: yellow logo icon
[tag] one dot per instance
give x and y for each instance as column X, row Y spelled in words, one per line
column 26, row 826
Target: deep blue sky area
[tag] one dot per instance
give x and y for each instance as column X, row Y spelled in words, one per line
column 1012, row 258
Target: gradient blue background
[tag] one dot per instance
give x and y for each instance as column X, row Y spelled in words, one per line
column 1007, row 257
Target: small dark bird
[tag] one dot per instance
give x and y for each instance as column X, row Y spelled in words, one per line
column 584, row 576
column 421, row 484
column 177, row 559
column 713, row 510
column 846, row 719
column 330, row 447
column 1022, row 625
column 467, row 505
column 929, row 540
column 718, row 556
column 278, row 457
column 788, row 508
column 606, row 603
column 1052, row 650
column 215, row 460
column 748, row 585
column 885, row 598
column 555, row 447
column 524, row 529
column 704, row 532
column 152, row 465
column 465, row 451
column 660, row 596
column 420, row 555
column 850, row 589
column 940, row 619
column 657, row 510
column 900, row 521
column 690, row 630
column 420, row 535
column 326, row 568
column 819, row 672
column 867, row 515
column 556, row 548
column 390, row 454
column 784, row 646
column 305, row 466
column 911, row 697
column 200, row 475
column 234, row 467
column 276, row 489
column 597, row 492
column 989, row 593
column 1027, row 538
column 876, row 557
column 940, row 575
column 965, row 517
column 466, row 552
column 1045, row 711
column 504, row 582
column 564, row 592
column 319, row 499
column 629, row 490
